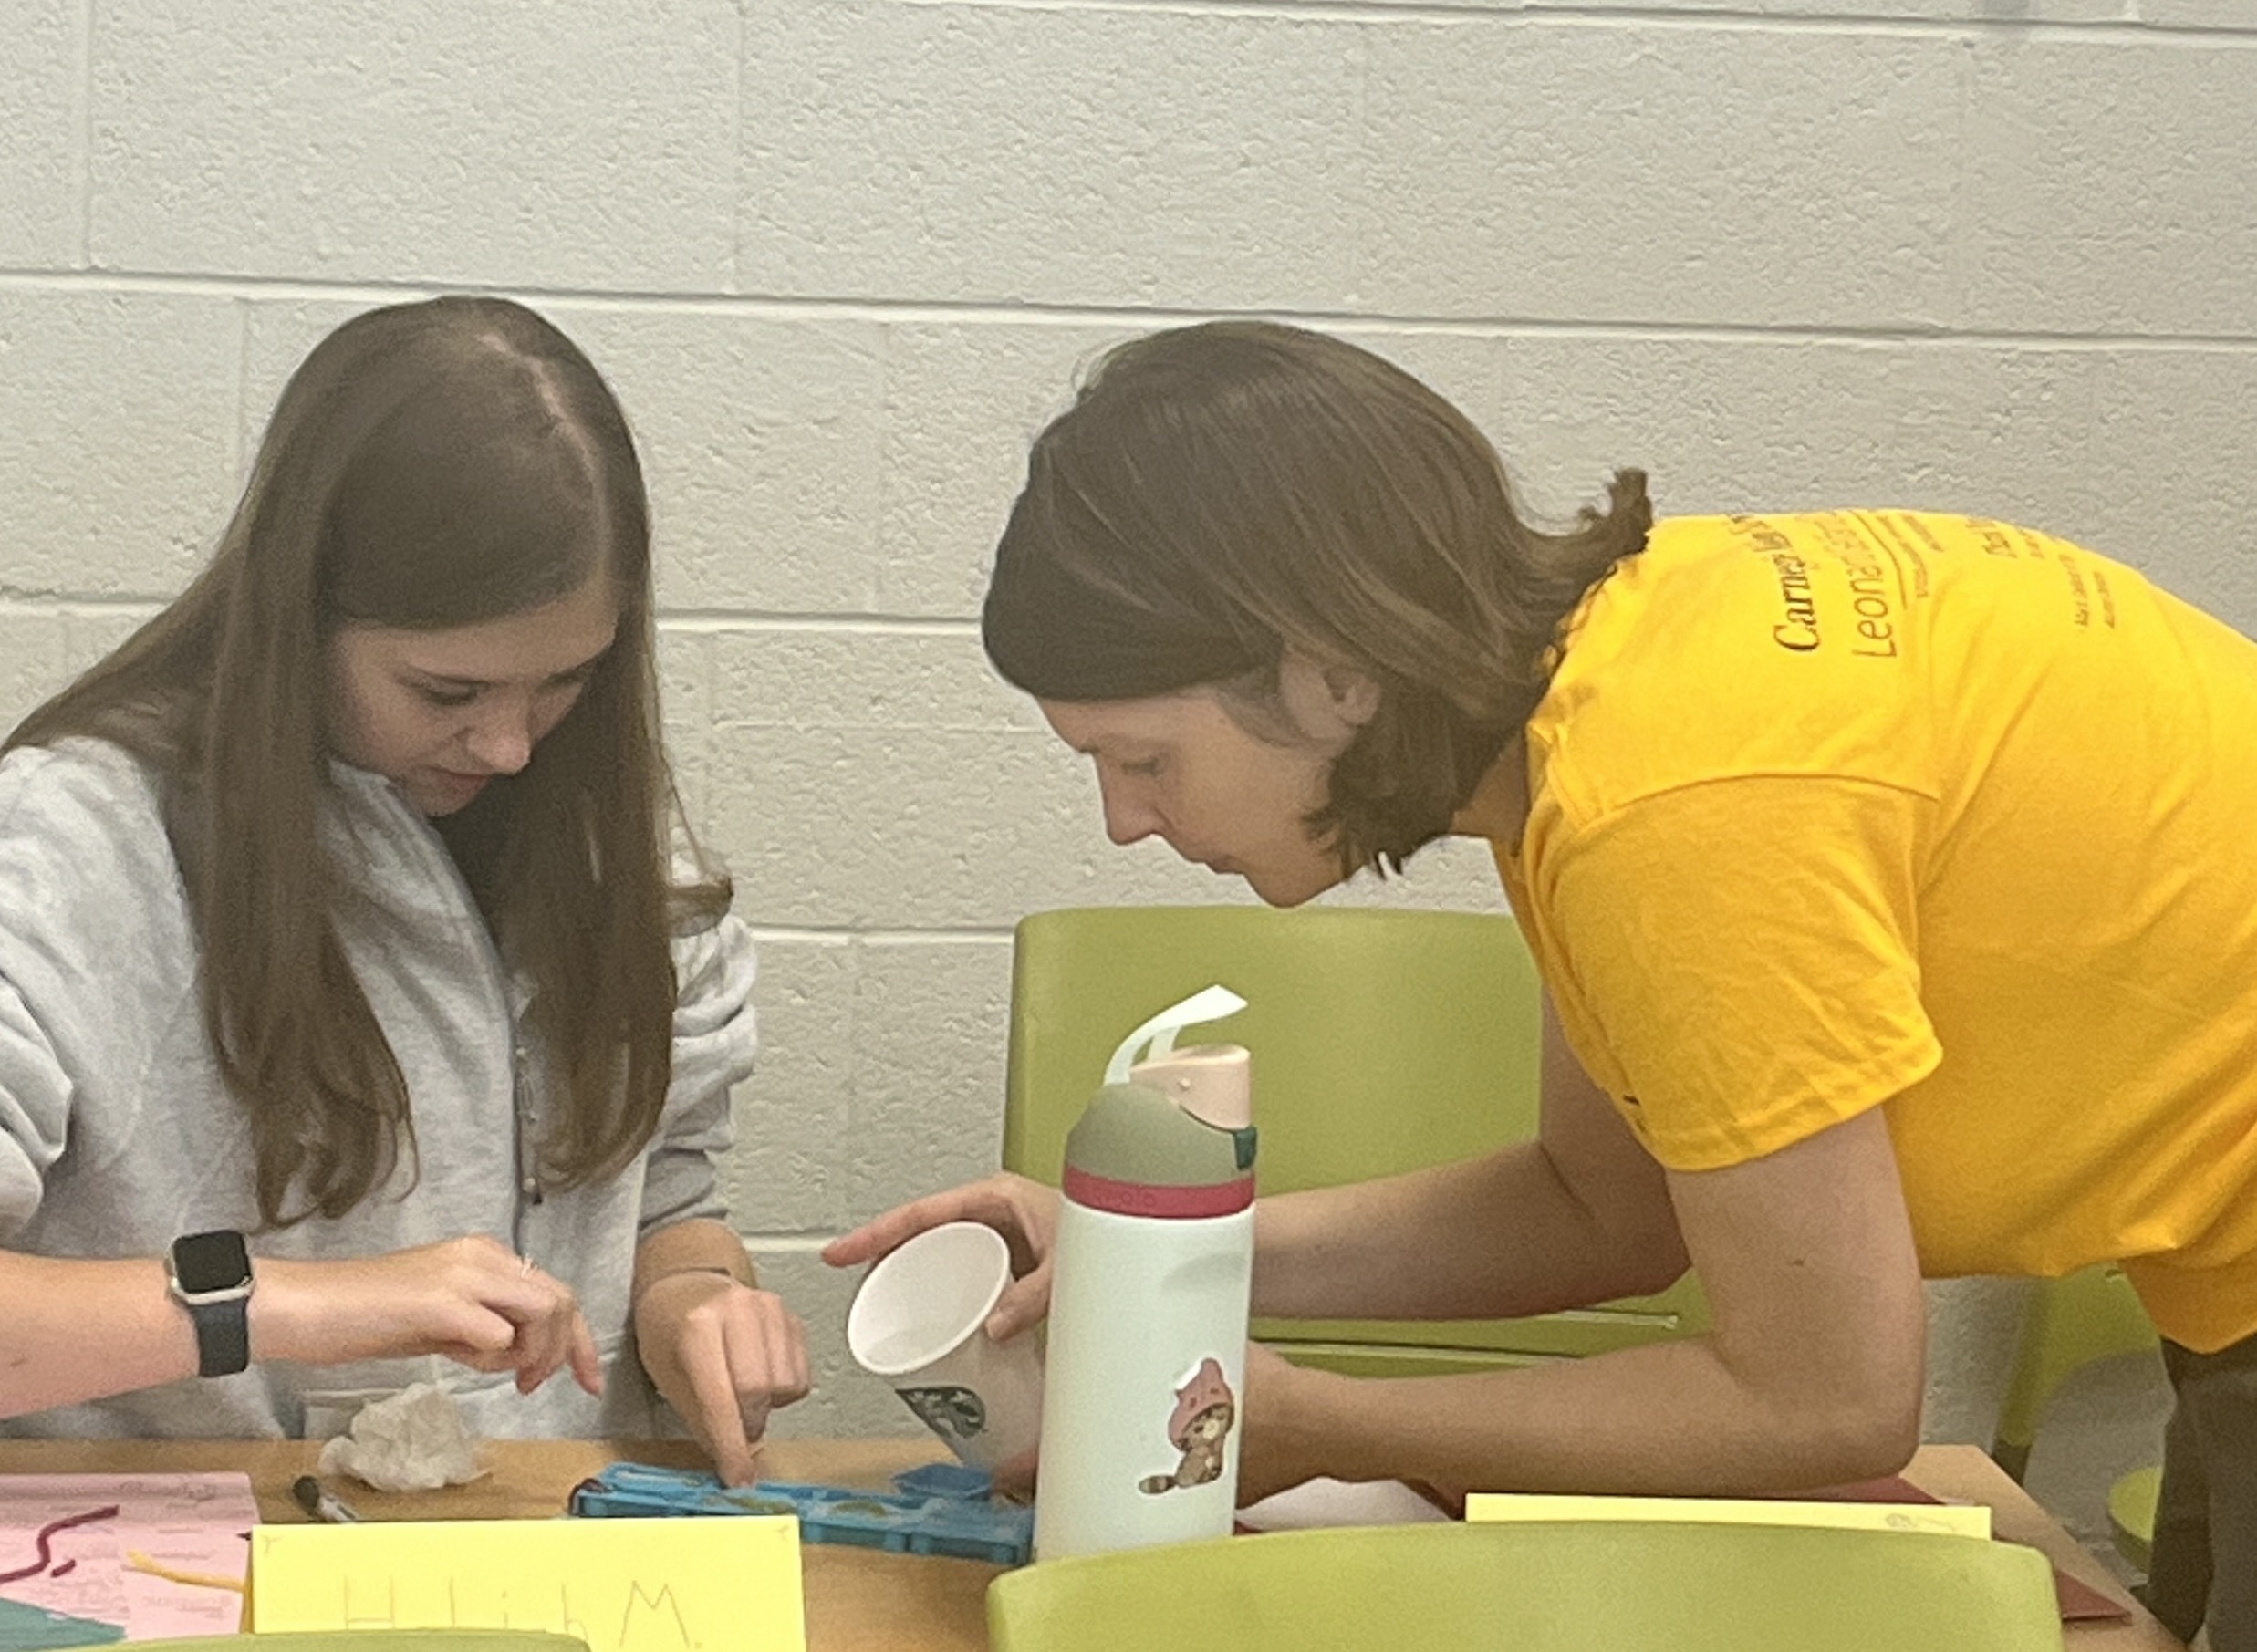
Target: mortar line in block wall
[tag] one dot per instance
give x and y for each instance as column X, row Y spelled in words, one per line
column 82, row 124
column 683, row 622
column 692, row 622
column 840, row 935
column 1566, row 13
column 926, row 311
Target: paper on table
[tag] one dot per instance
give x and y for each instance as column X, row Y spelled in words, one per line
column 1338, row 1502
column 1956, row 1520
column 622, row 1586
column 88, row 1558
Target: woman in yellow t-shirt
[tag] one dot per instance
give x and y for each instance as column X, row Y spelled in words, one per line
column 1888, row 873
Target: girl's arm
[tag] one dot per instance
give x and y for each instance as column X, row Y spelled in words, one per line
column 80, row 1331
column 86, row 1330
column 722, row 1351
column 93, row 955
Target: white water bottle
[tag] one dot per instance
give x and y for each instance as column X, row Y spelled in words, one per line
column 1150, row 1280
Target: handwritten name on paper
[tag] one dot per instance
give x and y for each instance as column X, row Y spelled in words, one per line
column 724, row 1584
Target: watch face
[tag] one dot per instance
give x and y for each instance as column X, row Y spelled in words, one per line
column 211, row 1261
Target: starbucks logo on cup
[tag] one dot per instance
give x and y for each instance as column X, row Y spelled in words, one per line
column 954, row 1413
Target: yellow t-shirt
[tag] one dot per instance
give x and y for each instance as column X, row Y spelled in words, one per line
column 1871, row 807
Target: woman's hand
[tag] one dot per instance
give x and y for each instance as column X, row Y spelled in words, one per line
column 1286, row 1443
column 1280, row 1444
column 471, row 1300
column 722, row 1354
column 1025, row 1212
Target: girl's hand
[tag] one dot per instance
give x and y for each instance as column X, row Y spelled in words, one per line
column 471, row 1300
column 722, row 1354
column 1025, row 1212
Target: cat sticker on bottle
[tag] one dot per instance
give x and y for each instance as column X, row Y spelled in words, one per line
column 1202, row 1422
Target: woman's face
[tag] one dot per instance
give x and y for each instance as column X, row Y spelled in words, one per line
column 440, row 713
column 1180, row 767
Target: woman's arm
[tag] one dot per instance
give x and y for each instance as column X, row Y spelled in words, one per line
column 1812, row 1376
column 1580, row 1215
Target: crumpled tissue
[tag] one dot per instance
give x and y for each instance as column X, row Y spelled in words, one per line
column 413, row 1440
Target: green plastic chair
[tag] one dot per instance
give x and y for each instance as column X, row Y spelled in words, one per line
column 2067, row 1325
column 1621, row 1585
column 2131, row 1514
column 1382, row 1041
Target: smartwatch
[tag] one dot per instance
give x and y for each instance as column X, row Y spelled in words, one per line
column 211, row 1278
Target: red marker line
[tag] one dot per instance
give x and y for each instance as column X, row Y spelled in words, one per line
column 47, row 1533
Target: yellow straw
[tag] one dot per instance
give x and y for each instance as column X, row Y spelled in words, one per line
column 137, row 1561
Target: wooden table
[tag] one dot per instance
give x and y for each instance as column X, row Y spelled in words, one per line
column 859, row 1601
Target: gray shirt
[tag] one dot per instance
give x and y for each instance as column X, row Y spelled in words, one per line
column 116, row 1134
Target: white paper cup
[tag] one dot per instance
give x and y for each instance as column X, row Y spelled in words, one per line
column 919, row 1320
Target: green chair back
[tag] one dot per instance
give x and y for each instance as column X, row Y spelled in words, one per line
column 2066, row 1325
column 1382, row 1041
column 2131, row 1514
column 1621, row 1585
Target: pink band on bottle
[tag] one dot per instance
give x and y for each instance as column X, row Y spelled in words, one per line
column 1169, row 1203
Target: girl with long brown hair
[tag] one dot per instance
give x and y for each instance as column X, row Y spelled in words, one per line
column 1887, row 870
column 365, row 1013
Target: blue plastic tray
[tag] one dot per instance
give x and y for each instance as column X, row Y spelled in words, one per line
column 940, row 1508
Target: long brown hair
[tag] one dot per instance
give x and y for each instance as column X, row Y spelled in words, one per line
column 428, row 466
column 1219, row 492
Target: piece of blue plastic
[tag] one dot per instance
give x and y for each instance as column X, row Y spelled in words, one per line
column 945, row 1480
column 948, row 1513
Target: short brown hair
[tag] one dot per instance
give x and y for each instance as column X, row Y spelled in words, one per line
column 1219, row 492
column 428, row 466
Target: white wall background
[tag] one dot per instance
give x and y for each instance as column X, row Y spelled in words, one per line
column 841, row 257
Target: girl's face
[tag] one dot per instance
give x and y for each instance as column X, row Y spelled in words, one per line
column 440, row 713
column 1182, row 768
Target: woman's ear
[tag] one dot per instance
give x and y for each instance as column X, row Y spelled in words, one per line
column 1330, row 702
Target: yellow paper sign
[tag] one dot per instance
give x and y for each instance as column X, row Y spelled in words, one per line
column 1955, row 1520
column 727, row 1583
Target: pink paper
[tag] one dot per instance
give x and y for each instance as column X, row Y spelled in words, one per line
column 66, row 1540
column 2079, row 1601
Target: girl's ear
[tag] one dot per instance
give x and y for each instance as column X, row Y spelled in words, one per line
column 1329, row 701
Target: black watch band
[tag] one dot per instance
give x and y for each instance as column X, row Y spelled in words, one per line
column 211, row 1277
column 223, row 1337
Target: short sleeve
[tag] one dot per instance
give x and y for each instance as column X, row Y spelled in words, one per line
column 715, row 1042
column 1747, row 950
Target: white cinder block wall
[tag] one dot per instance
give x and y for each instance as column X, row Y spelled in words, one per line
column 841, row 259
